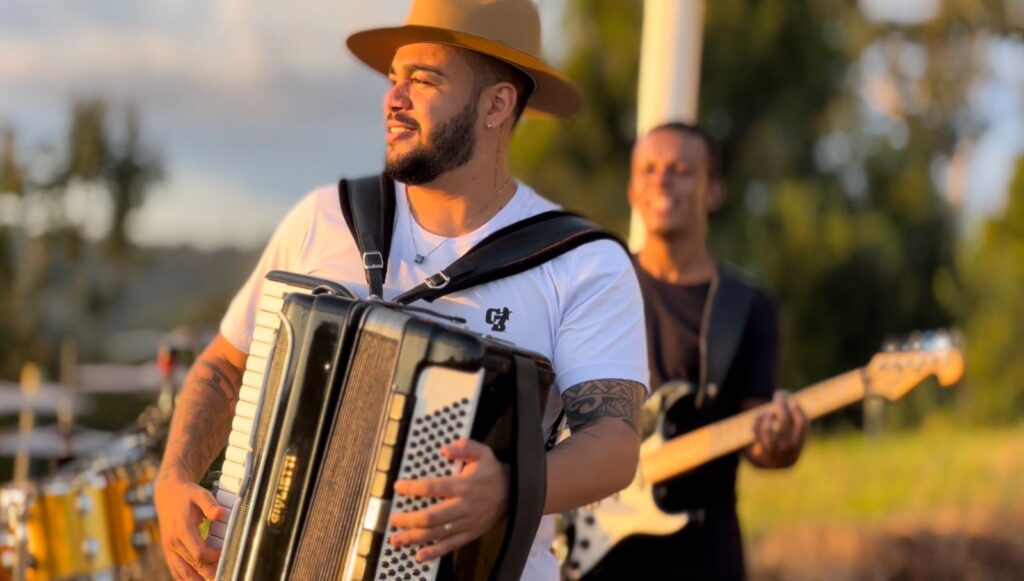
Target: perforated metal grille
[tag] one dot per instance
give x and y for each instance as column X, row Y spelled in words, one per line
column 423, row 459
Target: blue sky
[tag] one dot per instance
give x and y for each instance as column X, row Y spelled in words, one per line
column 251, row 103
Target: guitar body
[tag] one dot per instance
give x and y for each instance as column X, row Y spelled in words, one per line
column 593, row 531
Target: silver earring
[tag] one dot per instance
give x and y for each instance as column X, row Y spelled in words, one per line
column 490, row 126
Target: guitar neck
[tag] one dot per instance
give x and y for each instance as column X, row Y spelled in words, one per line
column 720, row 438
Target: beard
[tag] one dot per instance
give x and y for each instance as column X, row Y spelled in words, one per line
column 448, row 146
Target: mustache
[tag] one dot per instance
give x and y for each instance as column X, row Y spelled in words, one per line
column 404, row 120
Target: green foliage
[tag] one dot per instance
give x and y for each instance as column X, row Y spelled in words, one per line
column 850, row 480
column 582, row 164
column 832, row 126
column 992, row 270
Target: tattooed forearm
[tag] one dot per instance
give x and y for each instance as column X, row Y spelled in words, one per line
column 202, row 418
column 604, row 398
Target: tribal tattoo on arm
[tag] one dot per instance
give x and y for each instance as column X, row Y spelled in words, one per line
column 587, row 402
column 202, row 419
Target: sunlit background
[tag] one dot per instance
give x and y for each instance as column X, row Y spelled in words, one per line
column 875, row 163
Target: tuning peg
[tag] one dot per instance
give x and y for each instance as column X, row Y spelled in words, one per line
column 916, row 341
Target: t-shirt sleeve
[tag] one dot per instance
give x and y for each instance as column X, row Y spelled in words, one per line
column 759, row 350
column 281, row 253
column 602, row 334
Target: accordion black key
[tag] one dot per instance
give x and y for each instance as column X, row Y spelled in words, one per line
column 343, row 397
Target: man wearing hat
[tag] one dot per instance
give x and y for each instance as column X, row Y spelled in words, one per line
column 462, row 72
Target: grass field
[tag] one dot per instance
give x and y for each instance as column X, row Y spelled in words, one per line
column 850, row 480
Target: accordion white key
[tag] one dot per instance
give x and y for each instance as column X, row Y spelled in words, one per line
column 341, row 398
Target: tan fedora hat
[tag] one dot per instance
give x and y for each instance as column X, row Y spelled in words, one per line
column 505, row 29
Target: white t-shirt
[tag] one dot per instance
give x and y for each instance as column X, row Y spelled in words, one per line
column 582, row 310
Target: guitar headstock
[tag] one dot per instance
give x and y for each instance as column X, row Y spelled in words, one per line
column 902, row 365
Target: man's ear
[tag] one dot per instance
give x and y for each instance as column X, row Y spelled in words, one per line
column 500, row 103
column 716, row 196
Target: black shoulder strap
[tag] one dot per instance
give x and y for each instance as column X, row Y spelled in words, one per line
column 513, row 249
column 727, row 321
column 368, row 204
column 528, row 485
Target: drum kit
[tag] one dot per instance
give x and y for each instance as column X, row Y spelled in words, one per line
column 92, row 518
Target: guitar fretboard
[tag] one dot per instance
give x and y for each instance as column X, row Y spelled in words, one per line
column 704, row 444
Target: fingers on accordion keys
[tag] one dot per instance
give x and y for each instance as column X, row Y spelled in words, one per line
column 215, row 542
column 226, row 499
column 218, row 529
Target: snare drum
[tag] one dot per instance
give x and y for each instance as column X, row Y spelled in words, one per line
column 77, row 539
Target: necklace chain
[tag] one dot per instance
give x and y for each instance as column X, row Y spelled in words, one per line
column 420, row 257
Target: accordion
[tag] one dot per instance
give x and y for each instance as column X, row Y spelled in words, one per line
column 342, row 397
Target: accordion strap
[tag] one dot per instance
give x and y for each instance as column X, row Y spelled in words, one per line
column 528, row 483
column 368, row 204
column 513, row 249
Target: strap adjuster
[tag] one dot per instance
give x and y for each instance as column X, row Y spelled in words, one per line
column 373, row 260
column 438, row 281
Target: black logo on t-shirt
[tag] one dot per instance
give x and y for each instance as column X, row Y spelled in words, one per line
column 497, row 318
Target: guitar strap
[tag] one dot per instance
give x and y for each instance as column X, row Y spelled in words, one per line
column 729, row 306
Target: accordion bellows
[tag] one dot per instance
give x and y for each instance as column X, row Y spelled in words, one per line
column 342, row 397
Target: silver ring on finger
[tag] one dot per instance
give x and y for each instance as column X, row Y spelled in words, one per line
column 448, row 527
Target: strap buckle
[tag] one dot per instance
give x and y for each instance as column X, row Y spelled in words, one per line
column 373, row 260
column 438, row 281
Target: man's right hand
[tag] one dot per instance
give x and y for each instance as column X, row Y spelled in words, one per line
column 181, row 505
column 199, row 431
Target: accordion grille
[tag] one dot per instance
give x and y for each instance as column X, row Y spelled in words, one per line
column 341, row 489
column 278, row 365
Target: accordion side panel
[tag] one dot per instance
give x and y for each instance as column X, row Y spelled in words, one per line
column 335, row 509
column 446, row 401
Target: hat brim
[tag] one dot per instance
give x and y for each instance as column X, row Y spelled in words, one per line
column 554, row 94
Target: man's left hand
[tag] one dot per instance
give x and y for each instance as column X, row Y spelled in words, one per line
column 472, row 501
column 779, row 433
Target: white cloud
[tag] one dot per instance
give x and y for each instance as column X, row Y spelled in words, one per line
column 206, row 211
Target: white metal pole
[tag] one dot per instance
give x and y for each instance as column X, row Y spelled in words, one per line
column 670, row 53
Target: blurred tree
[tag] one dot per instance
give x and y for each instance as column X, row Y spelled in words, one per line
column 580, row 163
column 992, row 267
column 57, row 284
column 836, row 130
column 11, row 185
column 129, row 174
